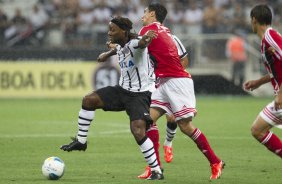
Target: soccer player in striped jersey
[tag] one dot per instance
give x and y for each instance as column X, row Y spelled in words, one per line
column 175, row 89
column 271, row 52
column 171, row 126
column 133, row 94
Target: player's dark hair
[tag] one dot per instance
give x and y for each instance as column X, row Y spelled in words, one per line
column 124, row 24
column 262, row 13
column 159, row 10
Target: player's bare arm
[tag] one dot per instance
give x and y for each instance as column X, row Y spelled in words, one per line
column 147, row 38
column 105, row 55
column 254, row 84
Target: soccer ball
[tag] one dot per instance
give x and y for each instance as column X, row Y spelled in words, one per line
column 53, row 168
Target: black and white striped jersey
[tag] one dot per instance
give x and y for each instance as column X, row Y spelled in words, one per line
column 137, row 72
column 180, row 47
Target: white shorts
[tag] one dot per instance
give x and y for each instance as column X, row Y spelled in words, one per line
column 272, row 116
column 176, row 96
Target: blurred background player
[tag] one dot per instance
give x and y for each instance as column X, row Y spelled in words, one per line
column 271, row 51
column 236, row 52
column 175, row 89
column 131, row 95
column 171, row 127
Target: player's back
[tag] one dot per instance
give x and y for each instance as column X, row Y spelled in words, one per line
column 164, row 53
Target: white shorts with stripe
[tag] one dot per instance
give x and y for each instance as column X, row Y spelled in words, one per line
column 176, row 96
column 272, row 116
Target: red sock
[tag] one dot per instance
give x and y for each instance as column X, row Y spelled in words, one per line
column 153, row 134
column 203, row 144
column 273, row 143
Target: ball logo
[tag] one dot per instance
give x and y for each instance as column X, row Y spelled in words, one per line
column 105, row 75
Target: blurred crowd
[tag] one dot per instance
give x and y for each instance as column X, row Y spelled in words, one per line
column 84, row 22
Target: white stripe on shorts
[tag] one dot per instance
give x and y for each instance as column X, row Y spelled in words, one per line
column 271, row 116
column 176, row 96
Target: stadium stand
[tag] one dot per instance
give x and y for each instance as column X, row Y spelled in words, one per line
column 80, row 27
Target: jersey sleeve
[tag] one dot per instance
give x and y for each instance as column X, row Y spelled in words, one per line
column 180, row 47
column 274, row 39
column 133, row 44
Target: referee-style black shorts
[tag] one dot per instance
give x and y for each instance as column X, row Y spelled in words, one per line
column 136, row 104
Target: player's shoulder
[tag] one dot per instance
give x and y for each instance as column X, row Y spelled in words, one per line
column 272, row 32
column 148, row 27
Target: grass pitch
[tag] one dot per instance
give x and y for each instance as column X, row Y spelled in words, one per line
column 33, row 129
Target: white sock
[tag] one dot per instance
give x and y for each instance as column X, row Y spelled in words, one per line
column 84, row 120
column 148, row 151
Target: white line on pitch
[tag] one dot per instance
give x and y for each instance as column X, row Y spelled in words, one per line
column 104, row 133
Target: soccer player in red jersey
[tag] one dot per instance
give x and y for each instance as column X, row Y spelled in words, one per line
column 174, row 94
column 153, row 132
column 271, row 52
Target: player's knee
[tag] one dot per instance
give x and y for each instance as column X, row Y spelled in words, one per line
column 183, row 126
column 90, row 102
column 256, row 133
column 138, row 130
column 170, row 118
column 186, row 127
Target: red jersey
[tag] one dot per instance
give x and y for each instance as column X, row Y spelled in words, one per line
column 273, row 39
column 164, row 53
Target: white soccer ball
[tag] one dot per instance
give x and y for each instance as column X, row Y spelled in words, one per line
column 53, row 168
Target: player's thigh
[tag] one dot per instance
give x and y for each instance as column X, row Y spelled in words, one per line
column 156, row 113
column 112, row 98
column 92, row 101
column 137, row 106
column 270, row 116
column 181, row 96
column 260, row 125
column 159, row 103
column 186, row 126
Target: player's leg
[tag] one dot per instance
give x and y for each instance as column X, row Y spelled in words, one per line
column 138, row 128
column 261, row 130
column 106, row 98
column 182, row 102
column 138, row 110
column 90, row 103
column 153, row 133
column 171, row 127
column 186, row 126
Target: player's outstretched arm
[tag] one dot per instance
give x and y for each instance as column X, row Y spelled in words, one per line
column 254, row 84
column 147, row 38
column 105, row 55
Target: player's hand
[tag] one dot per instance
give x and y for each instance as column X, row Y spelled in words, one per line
column 250, row 85
column 111, row 45
column 101, row 58
column 151, row 34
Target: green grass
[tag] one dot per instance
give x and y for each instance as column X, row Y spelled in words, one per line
column 33, row 129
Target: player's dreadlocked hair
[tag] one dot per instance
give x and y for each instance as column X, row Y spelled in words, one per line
column 124, row 24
